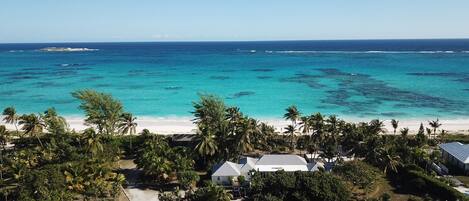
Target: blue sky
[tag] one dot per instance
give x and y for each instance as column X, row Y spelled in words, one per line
column 201, row 20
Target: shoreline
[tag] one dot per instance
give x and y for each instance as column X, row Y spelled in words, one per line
column 184, row 125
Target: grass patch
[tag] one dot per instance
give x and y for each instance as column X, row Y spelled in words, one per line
column 385, row 186
column 463, row 179
column 456, row 138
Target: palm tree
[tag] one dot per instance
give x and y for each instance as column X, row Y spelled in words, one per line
column 332, row 124
column 55, row 124
column 206, row 145
column 429, row 132
column 305, row 124
column 3, row 142
column 247, row 133
column 330, row 148
column 209, row 113
column 11, row 117
column 389, row 160
column 377, row 126
column 93, row 142
column 435, row 124
column 3, row 136
column 128, row 125
column 290, row 129
column 212, row 192
column 292, row 114
column 317, row 124
column 234, row 117
column 404, row 132
column 266, row 133
column 312, row 146
column 394, row 124
column 32, row 125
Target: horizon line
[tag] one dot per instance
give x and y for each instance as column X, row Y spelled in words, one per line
column 234, row 41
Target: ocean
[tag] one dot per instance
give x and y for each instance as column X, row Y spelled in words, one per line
column 350, row 78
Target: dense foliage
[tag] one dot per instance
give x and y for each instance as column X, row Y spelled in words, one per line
column 49, row 162
column 357, row 173
column 162, row 163
column 224, row 132
column 298, row 186
column 416, row 180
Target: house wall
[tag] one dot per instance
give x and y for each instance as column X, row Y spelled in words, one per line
column 223, row 180
column 451, row 159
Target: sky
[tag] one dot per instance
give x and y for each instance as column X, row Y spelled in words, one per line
column 229, row 20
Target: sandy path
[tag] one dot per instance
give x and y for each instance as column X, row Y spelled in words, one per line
column 132, row 175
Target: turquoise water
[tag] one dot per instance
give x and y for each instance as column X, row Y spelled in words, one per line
column 385, row 79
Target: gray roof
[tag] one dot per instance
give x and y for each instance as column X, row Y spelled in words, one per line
column 458, row 150
column 228, row 169
column 314, row 166
column 281, row 159
column 248, row 164
column 184, row 138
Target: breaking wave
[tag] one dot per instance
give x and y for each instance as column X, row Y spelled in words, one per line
column 66, row 49
column 356, row 52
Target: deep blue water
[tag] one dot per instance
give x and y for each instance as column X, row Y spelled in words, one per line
column 367, row 78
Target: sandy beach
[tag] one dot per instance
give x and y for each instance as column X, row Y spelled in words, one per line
column 184, row 125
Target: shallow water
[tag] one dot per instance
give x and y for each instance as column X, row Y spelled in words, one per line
column 373, row 79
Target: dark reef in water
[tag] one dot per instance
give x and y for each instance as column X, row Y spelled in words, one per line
column 92, row 78
column 173, row 88
column 219, row 77
column 372, row 92
column 263, row 77
column 44, row 84
column 63, row 101
column 393, row 114
column 241, row 94
column 310, row 80
column 102, row 85
column 457, row 77
column 12, row 92
column 263, row 70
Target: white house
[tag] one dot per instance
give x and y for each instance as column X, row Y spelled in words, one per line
column 457, row 154
column 229, row 171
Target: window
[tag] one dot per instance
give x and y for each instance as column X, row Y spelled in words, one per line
column 218, row 178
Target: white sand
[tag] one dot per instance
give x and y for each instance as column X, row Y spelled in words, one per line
column 184, row 125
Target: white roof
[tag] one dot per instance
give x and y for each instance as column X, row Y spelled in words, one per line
column 281, row 159
column 228, row 169
column 267, row 163
column 458, row 150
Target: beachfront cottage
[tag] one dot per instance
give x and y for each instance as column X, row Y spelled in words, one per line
column 457, row 154
column 229, row 172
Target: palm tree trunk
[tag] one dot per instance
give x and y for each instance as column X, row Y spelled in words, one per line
column 39, row 139
column 16, row 127
column 131, row 143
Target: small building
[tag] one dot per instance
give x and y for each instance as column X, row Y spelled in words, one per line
column 457, row 154
column 229, row 172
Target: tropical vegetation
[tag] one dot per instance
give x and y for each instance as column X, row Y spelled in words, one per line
column 43, row 159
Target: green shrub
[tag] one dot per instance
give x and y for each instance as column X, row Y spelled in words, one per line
column 282, row 185
column 419, row 181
